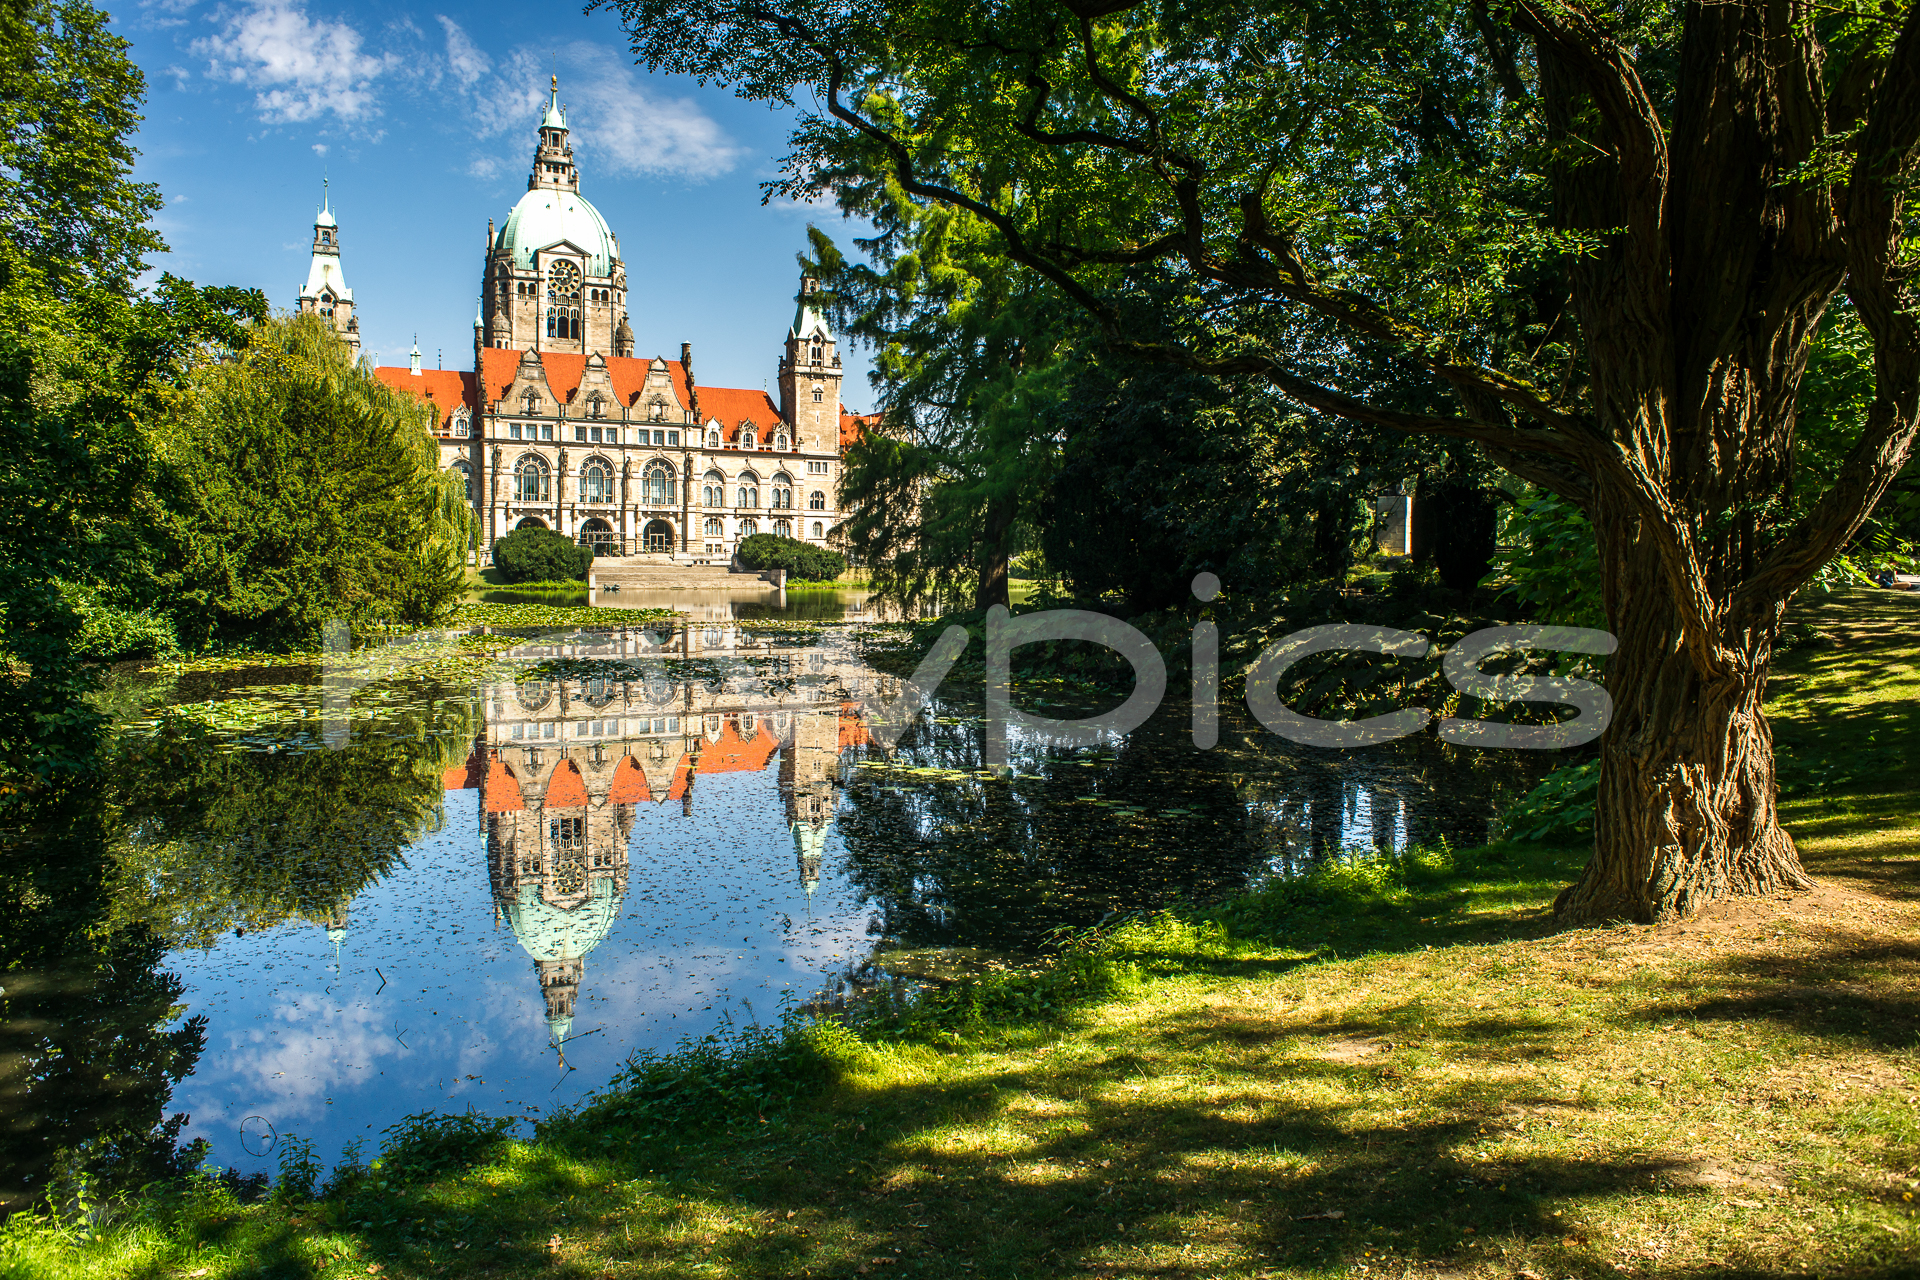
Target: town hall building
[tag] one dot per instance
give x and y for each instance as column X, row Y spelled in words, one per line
column 559, row 425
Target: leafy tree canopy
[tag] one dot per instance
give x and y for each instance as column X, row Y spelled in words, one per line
column 541, row 555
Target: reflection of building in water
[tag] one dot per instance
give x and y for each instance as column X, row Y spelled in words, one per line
column 563, row 764
column 334, row 921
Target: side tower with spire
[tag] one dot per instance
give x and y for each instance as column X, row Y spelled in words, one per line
column 810, row 375
column 325, row 293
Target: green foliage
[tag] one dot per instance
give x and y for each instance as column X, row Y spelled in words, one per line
column 294, row 487
column 1559, row 809
column 747, row 1071
column 1549, row 563
column 218, row 838
column 69, row 106
column 967, row 358
column 299, row 1179
column 800, row 559
column 541, row 555
column 428, row 1145
column 1338, row 886
column 110, row 634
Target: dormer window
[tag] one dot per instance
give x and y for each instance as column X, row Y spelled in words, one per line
column 747, row 438
column 713, row 439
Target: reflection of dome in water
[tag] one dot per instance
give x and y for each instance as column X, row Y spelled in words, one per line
column 557, row 938
column 549, row 932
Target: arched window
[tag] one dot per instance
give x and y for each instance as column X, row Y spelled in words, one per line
column 656, row 486
column 749, row 527
column 712, row 528
column 713, row 490
column 531, row 482
column 462, row 424
column 530, row 403
column 563, row 300
column 596, row 481
column 816, row 501
column 819, row 393
column 782, row 528
column 818, row 531
column 713, row 439
column 782, row 495
column 466, row 477
column 780, row 442
column 746, row 436
column 747, row 493
column 818, row 352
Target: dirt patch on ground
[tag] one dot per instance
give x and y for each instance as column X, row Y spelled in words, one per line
column 1346, row 1050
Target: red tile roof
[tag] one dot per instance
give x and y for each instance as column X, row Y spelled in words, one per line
column 733, row 754
column 733, row 406
column 629, row 783
column 852, row 424
column 563, row 372
column 463, row 777
column 853, row 729
column 502, row 788
column 682, row 777
column 566, row 789
column 444, row 389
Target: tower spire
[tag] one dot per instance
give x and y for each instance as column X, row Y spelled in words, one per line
column 553, row 166
column 326, row 293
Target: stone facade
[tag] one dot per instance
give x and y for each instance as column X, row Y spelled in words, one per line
column 559, row 425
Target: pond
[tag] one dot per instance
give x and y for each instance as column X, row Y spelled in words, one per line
column 482, row 870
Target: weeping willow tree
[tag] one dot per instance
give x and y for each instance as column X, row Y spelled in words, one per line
column 294, row 487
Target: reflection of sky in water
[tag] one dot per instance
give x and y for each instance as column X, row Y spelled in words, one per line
column 715, row 922
column 436, row 1005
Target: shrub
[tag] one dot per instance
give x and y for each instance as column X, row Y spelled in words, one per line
column 1559, row 809
column 109, row 634
column 541, row 555
column 799, row 559
column 426, row 1145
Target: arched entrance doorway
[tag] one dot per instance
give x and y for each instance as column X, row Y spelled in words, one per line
column 531, row 522
column 598, row 534
column 657, row 537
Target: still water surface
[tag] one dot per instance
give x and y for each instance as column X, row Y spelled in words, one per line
column 485, row 879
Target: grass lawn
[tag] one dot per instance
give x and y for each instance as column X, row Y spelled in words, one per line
column 1411, row 1073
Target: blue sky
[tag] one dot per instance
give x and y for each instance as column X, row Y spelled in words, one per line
column 424, row 119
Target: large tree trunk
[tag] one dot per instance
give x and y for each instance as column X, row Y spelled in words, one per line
column 1685, row 812
column 994, row 586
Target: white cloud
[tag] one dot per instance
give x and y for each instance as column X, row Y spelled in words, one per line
column 465, row 62
column 307, row 68
column 620, row 126
column 319, row 148
column 302, row 68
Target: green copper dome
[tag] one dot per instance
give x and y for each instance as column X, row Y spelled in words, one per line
column 555, row 933
column 545, row 217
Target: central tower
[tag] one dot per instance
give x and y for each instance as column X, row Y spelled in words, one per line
column 554, row 280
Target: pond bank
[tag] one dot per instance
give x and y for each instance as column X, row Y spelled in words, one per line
column 1396, row 1067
